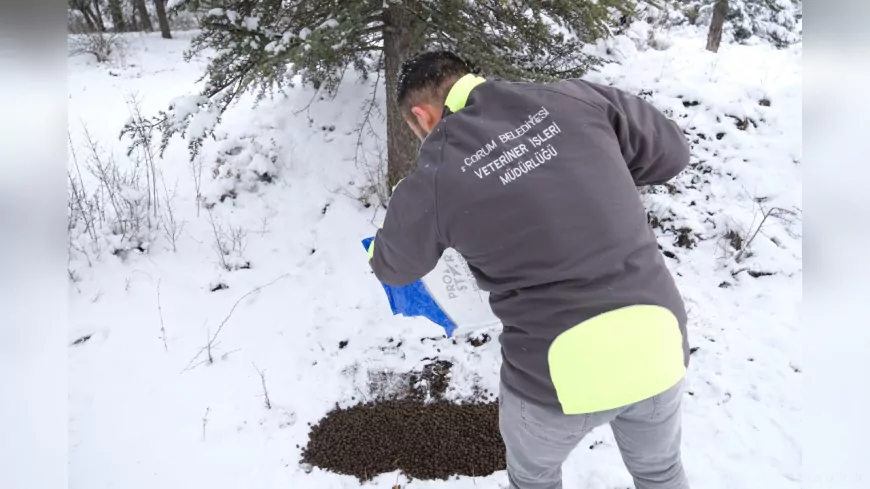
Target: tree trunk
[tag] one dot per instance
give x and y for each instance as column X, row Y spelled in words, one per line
column 133, row 25
column 88, row 16
column 98, row 16
column 714, row 36
column 162, row 20
column 89, row 22
column 117, row 14
column 145, row 20
column 402, row 144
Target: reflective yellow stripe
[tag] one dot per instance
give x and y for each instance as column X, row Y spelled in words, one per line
column 616, row 359
column 397, row 184
column 371, row 250
column 458, row 95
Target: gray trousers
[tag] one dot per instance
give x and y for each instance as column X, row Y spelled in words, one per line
column 539, row 439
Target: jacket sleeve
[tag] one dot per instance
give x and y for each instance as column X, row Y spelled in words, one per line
column 408, row 246
column 653, row 145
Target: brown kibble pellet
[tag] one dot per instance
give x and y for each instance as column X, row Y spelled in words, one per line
column 424, row 441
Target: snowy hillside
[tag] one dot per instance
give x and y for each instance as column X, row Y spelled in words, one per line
column 292, row 297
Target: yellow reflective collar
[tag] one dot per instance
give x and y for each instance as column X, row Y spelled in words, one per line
column 458, row 95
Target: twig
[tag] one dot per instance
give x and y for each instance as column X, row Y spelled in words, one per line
column 220, row 246
column 171, row 227
column 257, row 289
column 308, row 106
column 143, row 272
column 263, row 381
column 190, row 365
column 370, row 107
column 196, row 169
column 227, row 354
column 212, row 338
column 208, row 346
column 363, row 394
column 160, row 312
column 205, row 422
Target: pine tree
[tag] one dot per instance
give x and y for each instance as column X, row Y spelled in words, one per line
column 774, row 20
column 262, row 44
column 777, row 21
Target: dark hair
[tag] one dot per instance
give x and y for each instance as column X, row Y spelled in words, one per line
column 425, row 77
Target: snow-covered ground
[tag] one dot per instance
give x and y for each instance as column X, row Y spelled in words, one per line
column 147, row 410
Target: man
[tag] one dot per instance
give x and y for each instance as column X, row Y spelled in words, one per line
column 536, row 186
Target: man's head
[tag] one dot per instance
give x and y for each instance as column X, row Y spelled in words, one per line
column 424, row 82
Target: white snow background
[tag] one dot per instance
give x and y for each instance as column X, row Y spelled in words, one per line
column 137, row 407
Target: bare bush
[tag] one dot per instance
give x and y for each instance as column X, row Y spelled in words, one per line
column 737, row 242
column 82, row 214
column 141, row 134
column 124, row 205
column 765, row 215
column 172, row 228
column 116, row 214
column 229, row 244
column 101, row 45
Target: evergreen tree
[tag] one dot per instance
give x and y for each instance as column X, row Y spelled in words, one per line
column 777, row 21
column 262, row 44
column 774, row 20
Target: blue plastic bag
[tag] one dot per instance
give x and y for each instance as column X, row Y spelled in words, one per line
column 415, row 300
column 448, row 296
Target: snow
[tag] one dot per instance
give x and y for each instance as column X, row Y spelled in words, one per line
column 145, row 415
column 203, row 121
column 251, row 23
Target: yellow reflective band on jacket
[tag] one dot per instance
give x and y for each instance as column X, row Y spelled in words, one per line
column 616, row 359
column 371, row 250
column 458, row 95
